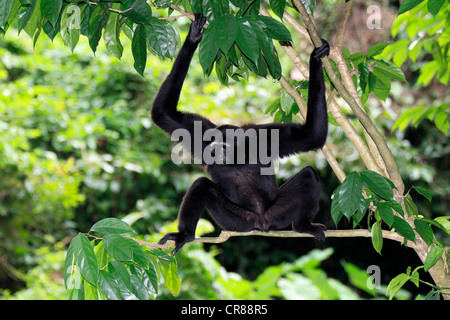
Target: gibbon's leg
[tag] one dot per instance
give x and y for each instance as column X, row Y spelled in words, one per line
column 297, row 203
column 205, row 194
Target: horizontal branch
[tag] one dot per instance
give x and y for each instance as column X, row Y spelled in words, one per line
column 225, row 235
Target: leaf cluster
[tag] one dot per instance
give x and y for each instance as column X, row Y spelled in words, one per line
column 368, row 193
column 115, row 266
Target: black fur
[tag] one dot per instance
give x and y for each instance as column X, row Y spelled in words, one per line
column 239, row 198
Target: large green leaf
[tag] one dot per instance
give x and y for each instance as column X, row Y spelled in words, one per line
column 389, row 69
column 350, row 193
column 111, row 225
column 377, row 237
column 208, row 48
column 403, row 228
column 432, row 257
column 268, row 50
column 25, row 14
column 51, row 10
column 162, row 38
column 139, row 48
column 385, row 212
column 408, row 5
column 425, row 231
column 140, row 12
column 278, row 7
column 112, row 35
column 83, row 255
column 171, row 279
column 246, row 40
column 98, row 19
column 118, row 247
column 69, row 33
column 434, row 6
column 273, row 28
column 109, row 286
column 226, row 29
column 5, row 10
column 378, row 184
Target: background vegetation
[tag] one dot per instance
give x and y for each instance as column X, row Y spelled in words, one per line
column 77, row 146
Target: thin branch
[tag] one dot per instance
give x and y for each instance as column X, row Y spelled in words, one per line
column 335, row 111
column 346, row 12
column 225, row 235
column 184, row 13
column 366, row 122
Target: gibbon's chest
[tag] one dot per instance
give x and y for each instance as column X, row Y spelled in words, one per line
column 248, row 188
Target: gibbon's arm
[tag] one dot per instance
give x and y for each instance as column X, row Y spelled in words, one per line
column 293, row 137
column 164, row 110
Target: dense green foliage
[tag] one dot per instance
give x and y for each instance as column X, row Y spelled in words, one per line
column 77, row 147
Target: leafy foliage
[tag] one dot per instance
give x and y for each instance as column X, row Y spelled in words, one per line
column 116, row 267
column 368, row 191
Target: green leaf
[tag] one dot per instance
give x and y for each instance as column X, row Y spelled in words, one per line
column 140, row 12
column 424, row 192
column 84, row 258
column 350, row 193
column 385, row 212
column 25, row 14
column 149, row 278
column 432, row 257
column 112, row 225
column 377, row 237
column 208, row 48
column 109, row 286
column 97, row 21
column 336, row 213
column 118, row 247
column 404, row 229
column 171, row 279
column 408, row 5
column 410, row 206
column 51, row 10
column 278, row 7
column 273, row 28
column 396, row 206
column 162, row 38
column 5, row 10
column 378, row 184
column 396, row 284
column 434, row 6
column 69, row 33
column 226, row 29
column 34, row 22
column 138, row 289
column 389, row 69
column 269, row 53
column 364, row 75
column 247, row 41
column 424, row 230
column 139, row 49
column 376, row 49
column 112, row 35
column 437, row 222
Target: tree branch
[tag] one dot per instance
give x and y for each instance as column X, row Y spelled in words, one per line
column 346, row 12
column 225, row 235
column 366, row 122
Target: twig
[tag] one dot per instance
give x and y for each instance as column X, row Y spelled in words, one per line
column 365, row 121
column 347, row 10
column 225, row 235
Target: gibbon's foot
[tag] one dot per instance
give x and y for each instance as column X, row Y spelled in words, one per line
column 180, row 239
column 315, row 229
